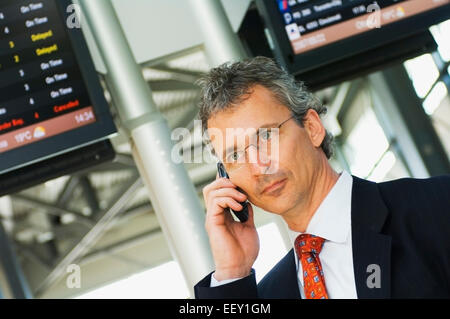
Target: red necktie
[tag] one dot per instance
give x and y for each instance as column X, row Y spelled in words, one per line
column 308, row 248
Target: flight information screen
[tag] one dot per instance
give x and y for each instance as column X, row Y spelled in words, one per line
column 310, row 24
column 47, row 81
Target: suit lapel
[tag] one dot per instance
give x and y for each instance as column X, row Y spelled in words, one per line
column 371, row 250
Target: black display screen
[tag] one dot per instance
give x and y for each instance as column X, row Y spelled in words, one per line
column 51, row 100
column 312, row 24
column 310, row 33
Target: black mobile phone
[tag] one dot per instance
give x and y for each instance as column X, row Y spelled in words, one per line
column 242, row 215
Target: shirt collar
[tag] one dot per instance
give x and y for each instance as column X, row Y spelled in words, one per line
column 332, row 220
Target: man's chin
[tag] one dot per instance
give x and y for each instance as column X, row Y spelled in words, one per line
column 275, row 209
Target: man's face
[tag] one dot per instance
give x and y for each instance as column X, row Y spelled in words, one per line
column 299, row 153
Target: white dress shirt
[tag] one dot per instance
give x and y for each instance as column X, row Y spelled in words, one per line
column 331, row 221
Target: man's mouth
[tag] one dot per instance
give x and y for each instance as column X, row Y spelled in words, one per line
column 274, row 186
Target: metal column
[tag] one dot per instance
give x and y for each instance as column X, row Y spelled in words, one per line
column 408, row 118
column 17, row 283
column 172, row 193
column 220, row 41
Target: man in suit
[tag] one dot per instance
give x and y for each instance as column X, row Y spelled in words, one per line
column 351, row 238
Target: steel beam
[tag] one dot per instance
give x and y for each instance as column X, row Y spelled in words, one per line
column 52, row 209
column 16, row 280
column 220, row 41
column 122, row 197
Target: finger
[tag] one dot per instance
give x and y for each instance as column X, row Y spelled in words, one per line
column 220, row 204
column 230, row 192
column 227, row 202
column 219, row 183
column 223, row 182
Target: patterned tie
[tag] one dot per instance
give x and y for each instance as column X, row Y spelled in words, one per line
column 308, row 248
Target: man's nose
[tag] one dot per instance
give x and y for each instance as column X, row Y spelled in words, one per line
column 259, row 161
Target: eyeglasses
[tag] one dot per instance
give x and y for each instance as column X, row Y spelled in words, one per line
column 238, row 159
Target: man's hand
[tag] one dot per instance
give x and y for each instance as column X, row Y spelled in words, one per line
column 234, row 245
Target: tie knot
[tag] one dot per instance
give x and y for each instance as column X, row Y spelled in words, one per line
column 306, row 243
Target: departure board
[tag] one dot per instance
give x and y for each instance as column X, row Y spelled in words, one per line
column 47, row 83
column 306, row 35
column 312, row 24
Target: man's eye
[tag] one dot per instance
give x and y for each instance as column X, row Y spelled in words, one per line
column 235, row 156
column 265, row 135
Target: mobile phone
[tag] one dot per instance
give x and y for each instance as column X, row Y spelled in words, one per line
column 242, row 215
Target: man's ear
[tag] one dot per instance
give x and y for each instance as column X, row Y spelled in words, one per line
column 314, row 127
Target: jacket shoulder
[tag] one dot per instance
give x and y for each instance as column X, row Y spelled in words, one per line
column 428, row 193
column 441, row 180
column 419, row 210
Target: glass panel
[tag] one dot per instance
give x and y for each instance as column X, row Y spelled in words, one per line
column 365, row 144
column 423, row 73
column 435, row 98
column 441, row 122
column 366, row 147
column 441, row 33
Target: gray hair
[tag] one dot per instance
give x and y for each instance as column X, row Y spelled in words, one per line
column 229, row 84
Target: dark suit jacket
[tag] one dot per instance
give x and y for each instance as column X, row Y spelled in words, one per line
column 403, row 226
